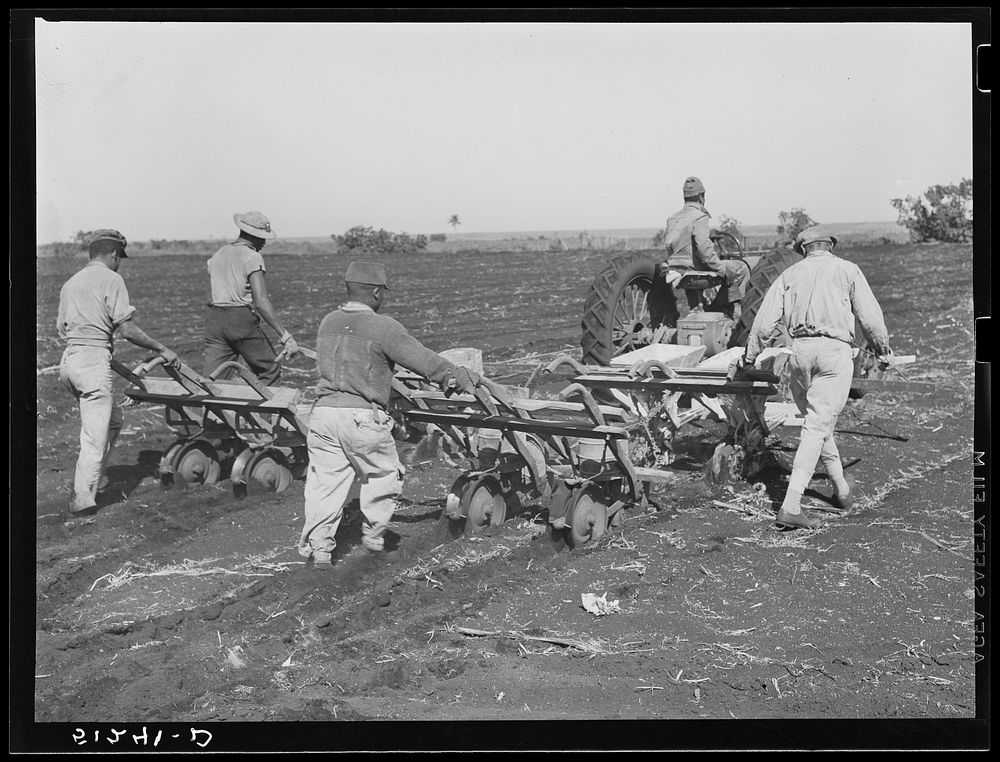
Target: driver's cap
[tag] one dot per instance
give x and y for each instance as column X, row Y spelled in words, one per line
column 692, row 187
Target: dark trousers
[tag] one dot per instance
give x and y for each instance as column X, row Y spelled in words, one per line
column 235, row 332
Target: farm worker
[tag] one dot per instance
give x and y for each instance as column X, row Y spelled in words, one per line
column 93, row 304
column 239, row 300
column 815, row 301
column 350, row 432
column 690, row 245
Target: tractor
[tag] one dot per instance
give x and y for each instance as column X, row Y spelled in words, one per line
column 633, row 302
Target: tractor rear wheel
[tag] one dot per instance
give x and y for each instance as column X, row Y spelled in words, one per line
column 764, row 273
column 624, row 308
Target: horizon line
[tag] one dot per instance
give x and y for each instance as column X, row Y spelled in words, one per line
column 504, row 233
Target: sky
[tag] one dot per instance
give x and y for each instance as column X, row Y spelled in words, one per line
column 165, row 130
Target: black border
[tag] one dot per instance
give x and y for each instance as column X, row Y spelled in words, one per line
column 28, row 736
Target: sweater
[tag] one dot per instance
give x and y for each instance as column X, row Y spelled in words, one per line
column 357, row 352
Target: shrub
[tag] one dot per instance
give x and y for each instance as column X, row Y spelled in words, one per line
column 365, row 239
column 943, row 214
column 731, row 226
column 438, row 237
column 790, row 224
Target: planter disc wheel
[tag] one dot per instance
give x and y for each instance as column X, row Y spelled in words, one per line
column 453, row 500
column 197, row 462
column 562, row 495
column 167, row 462
column 512, row 504
column 625, row 307
column 484, row 503
column 267, row 469
column 562, row 498
column 588, row 518
column 537, row 452
column 617, row 519
column 450, row 523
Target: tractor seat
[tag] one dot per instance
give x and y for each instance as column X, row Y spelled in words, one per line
column 699, row 280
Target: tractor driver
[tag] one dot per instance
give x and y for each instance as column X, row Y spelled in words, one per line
column 815, row 301
column 689, row 245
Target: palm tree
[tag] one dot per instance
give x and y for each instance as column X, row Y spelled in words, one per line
column 454, row 221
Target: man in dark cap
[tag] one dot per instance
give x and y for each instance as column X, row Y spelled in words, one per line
column 689, row 245
column 93, row 304
column 350, row 432
column 240, row 300
column 816, row 301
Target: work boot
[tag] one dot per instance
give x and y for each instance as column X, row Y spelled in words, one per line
column 372, row 536
column 322, row 558
column 787, row 520
column 844, row 501
column 86, row 510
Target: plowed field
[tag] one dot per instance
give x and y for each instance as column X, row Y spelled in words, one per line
column 189, row 605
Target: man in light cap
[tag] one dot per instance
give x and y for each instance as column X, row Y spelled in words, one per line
column 689, row 245
column 350, row 432
column 815, row 301
column 239, row 300
column 93, row 304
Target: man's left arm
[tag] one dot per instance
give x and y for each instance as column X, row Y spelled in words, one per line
column 869, row 314
column 403, row 349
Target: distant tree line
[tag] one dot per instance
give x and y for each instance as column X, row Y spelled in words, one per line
column 362, row 239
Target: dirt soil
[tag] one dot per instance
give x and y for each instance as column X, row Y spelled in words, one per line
column 191, row 605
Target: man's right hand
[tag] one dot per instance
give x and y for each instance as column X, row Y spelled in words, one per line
column 885, row 360
column 291, row 348
column 466, row 380
column 737, row 366
column 170, row 358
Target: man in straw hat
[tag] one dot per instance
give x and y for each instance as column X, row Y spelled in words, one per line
column 93, row 304
column 240, row 300
column 816, row 301
column 350, row 432
column 689, row 244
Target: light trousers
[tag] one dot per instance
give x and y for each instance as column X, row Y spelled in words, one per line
column 344, row 444
column 86, row 373
column 821, row 372
column 737, row 276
